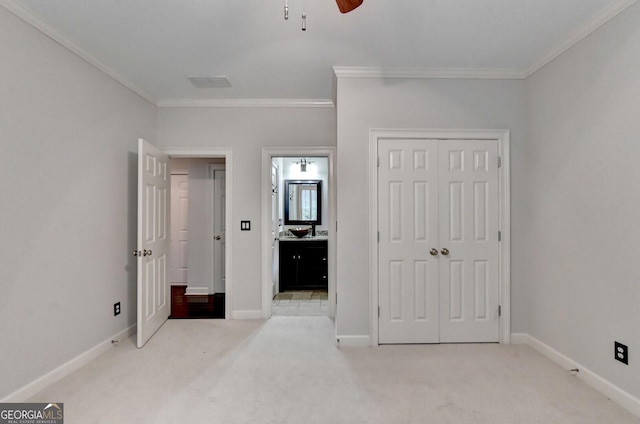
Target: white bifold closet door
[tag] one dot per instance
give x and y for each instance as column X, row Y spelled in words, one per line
column 438, row 241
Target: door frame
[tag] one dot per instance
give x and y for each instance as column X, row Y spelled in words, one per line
column 267, row 155
column 504, row 221
column 227, row 154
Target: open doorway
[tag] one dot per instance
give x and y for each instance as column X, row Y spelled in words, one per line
column 209, row 272
column 300, row 200
column 197, row 260
column 299, row 232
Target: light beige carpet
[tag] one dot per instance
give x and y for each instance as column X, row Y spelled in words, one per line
column 289, row 370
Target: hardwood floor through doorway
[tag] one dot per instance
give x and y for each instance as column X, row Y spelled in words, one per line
column 195, row 305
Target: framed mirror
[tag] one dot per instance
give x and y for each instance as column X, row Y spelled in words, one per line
column 302, row 202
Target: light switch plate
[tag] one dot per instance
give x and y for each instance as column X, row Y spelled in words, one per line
column 245, row 225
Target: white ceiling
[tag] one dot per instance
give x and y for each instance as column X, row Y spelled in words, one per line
column 153, row 45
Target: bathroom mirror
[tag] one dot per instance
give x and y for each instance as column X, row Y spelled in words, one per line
column 302, row 202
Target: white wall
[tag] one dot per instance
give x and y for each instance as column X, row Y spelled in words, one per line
column 582, row 207
column 68, row 161
column 366, row 103
column 247, row 131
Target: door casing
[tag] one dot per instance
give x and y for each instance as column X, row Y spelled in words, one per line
column 504, row 221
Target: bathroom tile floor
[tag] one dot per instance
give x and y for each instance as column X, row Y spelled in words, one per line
column 300, row 303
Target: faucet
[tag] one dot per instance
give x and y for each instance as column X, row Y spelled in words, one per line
column 313, row 230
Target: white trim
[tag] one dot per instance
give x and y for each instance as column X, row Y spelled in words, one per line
column 247, row 103
column 352, row 341
column 227, row 154
column 29, row 17
column 74, row 364
column 267, row 154
column 610, row 390
column 248, row 314
column 426, row 73
column 503, row 139
column 600, row 19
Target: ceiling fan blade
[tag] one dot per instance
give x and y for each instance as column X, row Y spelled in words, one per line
column 346, row 6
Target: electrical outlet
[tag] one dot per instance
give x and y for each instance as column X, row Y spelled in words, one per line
column 621, row 353
column 116, row 309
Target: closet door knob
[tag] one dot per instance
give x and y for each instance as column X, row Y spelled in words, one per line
column 137, row 253
column 445, row 251
column 434, row 252
column 146, row 252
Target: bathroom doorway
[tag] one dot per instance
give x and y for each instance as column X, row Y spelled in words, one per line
column 298, row 232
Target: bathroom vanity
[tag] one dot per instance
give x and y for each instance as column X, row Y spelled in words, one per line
column 303, row 258
column 303, row 263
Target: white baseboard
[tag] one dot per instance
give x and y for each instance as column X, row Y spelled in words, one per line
column 31, row 389
column 249, row 314
column 354, row 341
column 610, row 390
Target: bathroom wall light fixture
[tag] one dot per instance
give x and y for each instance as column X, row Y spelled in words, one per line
column 303, row 164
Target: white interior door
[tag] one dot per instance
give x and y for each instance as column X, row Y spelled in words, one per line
column 408, row 229
column 153, row 240
column 179, row 228
column 468, row 223
column 438, row 241
column 219, row 230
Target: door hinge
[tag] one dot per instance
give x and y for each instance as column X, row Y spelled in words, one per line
column 378, row 161
column 499, row 310
column 499, row 161
column 378, row 312
column 378, row 236
column 499, row 235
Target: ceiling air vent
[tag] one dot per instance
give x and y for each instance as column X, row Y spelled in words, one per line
column 210, row 82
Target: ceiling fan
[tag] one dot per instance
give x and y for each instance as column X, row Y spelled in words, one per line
column 347, row 6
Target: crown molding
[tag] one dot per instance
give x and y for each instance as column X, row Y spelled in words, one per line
column 464, row 73
column 600, row 19
column 21, row 12
column 426, row 73
column 248, row 103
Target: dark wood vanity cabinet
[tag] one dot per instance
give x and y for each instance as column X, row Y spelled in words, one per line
column 303, row 265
